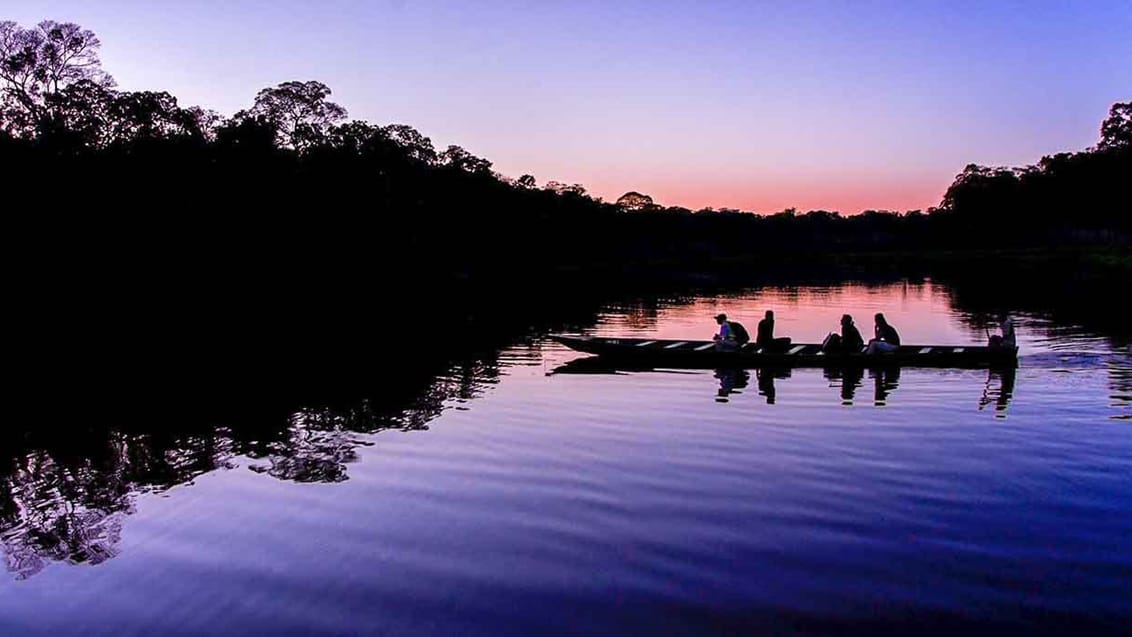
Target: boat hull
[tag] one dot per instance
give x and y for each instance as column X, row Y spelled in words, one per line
column 706, row 354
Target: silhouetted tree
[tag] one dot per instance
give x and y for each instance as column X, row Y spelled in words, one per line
column 456, row 157
column 299, row 111
column 292, row 153
column 1116, row 131
column 147, row 115
column 560, row 188
column 635, row 201
column 416, row 146
column 38, row 63
column 246, row 135
column 81, row 116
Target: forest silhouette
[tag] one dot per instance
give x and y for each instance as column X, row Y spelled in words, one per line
column 283, row 241
column 293, row 162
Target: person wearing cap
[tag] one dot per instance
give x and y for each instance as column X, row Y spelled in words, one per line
column 732, row 335
column 725, row 339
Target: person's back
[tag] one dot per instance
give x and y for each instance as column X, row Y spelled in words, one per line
column 888, row 334
column 765, row 337
column 739, row 333
column 851, row 339
column 766, row 331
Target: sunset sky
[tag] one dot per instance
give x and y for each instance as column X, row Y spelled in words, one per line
column 759, row 106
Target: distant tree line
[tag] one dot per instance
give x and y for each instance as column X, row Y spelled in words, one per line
column 291, row 167
column 286, row 231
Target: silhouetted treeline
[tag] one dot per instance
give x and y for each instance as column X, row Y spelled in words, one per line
column 285, row 238
column 290, row 175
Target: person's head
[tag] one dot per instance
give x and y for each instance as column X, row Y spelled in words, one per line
column 721, row 318
column 880, row 319
column 770, row 314
column 846, row 319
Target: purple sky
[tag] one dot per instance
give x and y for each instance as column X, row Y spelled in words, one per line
column 759, row 106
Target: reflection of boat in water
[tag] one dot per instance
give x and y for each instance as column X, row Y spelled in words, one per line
column 847, row 378
column 705, row 354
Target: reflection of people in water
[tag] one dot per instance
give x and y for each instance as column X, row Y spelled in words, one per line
column 766, row 378
column 850, row 378
column 730, row 382
column 1001, row 396
column 885, row 381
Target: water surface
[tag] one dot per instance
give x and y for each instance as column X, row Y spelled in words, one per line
column 524, row 494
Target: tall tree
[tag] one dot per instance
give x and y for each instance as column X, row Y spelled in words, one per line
column 415, row 145
column 155, row 115
column 457, row 157
column 635, row 201
column 560, row 188
column 1116, row 131
column 299, row 111
column 37, row 64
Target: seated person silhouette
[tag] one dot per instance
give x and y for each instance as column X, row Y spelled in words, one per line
column 732, row 335
column 765, row 339
column 849, row 341
column 887, row 341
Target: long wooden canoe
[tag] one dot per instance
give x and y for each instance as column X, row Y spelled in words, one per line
column 701, row 354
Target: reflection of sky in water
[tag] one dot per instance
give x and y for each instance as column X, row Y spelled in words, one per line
column 920, row 312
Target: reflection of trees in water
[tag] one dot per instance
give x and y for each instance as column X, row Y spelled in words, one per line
column 55, row 512
column 63, row 503
column 64, row 500
column 1120, row 384
column 310, row 453
column 1069, row 301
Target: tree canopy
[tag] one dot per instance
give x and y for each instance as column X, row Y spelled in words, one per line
column 293, row 151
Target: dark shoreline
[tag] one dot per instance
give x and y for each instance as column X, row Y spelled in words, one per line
column 217, row 346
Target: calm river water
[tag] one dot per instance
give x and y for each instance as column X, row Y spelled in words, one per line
column 519, row 495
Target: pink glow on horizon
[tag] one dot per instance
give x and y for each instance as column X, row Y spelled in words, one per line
column 746, row 105
column 846, row 195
